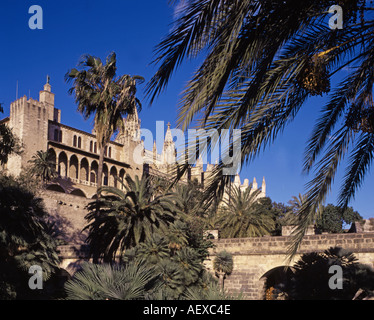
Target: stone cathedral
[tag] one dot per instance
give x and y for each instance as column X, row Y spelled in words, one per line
column 37, row 123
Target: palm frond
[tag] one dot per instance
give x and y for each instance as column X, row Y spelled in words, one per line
column 360, row 161
column 109, row 282
column 319, row 187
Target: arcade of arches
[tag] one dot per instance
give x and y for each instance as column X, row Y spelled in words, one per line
column 83, row 171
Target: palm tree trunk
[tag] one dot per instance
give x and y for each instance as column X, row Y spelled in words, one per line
column 100, row 169
column 221, row 277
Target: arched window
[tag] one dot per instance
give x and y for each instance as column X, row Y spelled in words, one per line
column 91, row 146
column 113, row 177
column 79, row 142
column 121, row 177
column 73, row 168
column 93, row 177
column 110, row 152
column 105, row 151
column 95, row 147
column 52, row 156
column 84, row 170
column 105, row 175
column 60, row 137
column 94, row 172
column 74, row 141
column 62, row 164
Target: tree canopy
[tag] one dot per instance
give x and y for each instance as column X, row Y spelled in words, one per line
column 99, row 92
column 333, row 218
column 262, row 60
column 24, row 239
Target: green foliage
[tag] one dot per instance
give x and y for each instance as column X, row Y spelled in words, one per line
column 24, row 240
column 42, row 166
column 211, row 291
column 281, row 214
column 177, row 235
column 196, row 239
column 149, row 225
column 331, row 218
column 244, row 215
column 334, row 218
column 178, row 268
column 190, row 199
column 289, row 215
column 258, row 84
column 171, row 281
column 311, row 276
column 195, row 216
column 190, row 265
column 137, row 281
column 154, row 250
column 223, row 262
column 100, row 92
column 110, row 282
column 120, row 219
column 292, row 216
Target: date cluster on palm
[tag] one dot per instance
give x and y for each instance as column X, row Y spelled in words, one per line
column 367, row 120
column 361, row 119
column 314, row 77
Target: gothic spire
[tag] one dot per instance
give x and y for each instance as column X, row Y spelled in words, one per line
column 254, row 184
column 263, row 188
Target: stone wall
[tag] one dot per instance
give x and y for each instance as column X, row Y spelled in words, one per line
column 72, row 257
column 255, row 257
column 68, row 212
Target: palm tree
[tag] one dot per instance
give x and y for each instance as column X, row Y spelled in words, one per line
column 110, row 282
column 242, row 215
column 177, row 235
column 42, row 166
column 100, row 92
column 177, row 269
column 190, row 196
column 223, row 265
column 189, row 264
column 263, row 60
column 152, row 250
column 295, row 205
column 122, row 219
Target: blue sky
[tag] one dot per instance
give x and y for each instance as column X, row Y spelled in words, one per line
column 132, row 29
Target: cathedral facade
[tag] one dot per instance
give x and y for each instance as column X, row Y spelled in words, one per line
column 37, row 124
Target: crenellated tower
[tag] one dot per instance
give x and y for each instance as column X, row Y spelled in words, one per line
column 29, row 122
